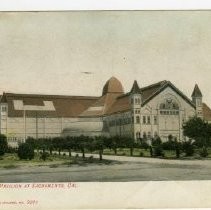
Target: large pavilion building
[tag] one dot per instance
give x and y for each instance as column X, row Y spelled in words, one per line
column 159, row 109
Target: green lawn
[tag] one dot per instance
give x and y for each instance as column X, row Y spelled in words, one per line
column 169, row 154
column 12, row 161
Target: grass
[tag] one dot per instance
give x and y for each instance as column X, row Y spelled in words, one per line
column 11, row 161
column 169, row 154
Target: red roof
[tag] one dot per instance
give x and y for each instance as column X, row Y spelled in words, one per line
column 65, row 106
column 112, row 101
column 206, row 112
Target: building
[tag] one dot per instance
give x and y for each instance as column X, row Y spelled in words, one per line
column 159, row 109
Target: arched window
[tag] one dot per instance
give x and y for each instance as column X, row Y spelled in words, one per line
column 131, row 100
column 169, row 107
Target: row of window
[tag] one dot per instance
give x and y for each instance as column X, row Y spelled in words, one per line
column 146, row 134
column 162, row 112
column 122, row 121
column 137, row 111
column 145, row 120
column 165, row 112
column 135, row 101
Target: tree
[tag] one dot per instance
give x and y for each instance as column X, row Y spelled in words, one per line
column 177, row 148
column 25, row 151
column 157, row 146
column 98, row 143
column 199, row 130
column 58, row 143
column 188, row 148
column 82, row 142
column 116, row 142
column 129, row 143
column 3, row 144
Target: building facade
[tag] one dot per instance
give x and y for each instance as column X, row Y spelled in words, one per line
column 159, row 109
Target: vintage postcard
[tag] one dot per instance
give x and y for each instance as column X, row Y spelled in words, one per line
column 105, row 109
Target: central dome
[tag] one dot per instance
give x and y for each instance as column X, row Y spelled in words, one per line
column 113, row 85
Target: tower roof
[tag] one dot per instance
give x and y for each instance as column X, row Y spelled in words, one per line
column 196, row 92
column 113, row 85
column 135, row 88
column 4, row 98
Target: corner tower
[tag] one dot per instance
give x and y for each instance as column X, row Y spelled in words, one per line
column 3, row 114
column 197, row 100
column 135, row 101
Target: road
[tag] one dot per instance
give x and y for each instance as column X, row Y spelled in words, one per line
column 122, row 169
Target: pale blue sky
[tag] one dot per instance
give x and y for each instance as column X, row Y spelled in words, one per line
column 45, row 52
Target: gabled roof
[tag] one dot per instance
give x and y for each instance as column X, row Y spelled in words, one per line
column 196, row 92
column 206, row 112
column 64, row 106
column 161, row 87
column 147, row 93
column 150, row 90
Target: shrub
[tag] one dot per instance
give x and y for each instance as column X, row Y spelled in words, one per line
column 158, row 151
column 44, row 156
column 188, row 148
column 144, row 145
column 168, row 145
column 177, row 149
column 11, row 150
column 25, row 151
column 203, row 152
column 3, row 144
column 141, row 154
column 156, row 141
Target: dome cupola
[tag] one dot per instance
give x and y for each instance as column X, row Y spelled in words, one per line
column 113, row 85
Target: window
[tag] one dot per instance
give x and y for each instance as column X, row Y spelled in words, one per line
column 144, row 135
column 169, row 107
column 137, row 119
column 149, row 135
column 131, row 100
column 144, row 119
column 155, row 120
column 155, row 134
column 148, row 119
column 3, row 108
